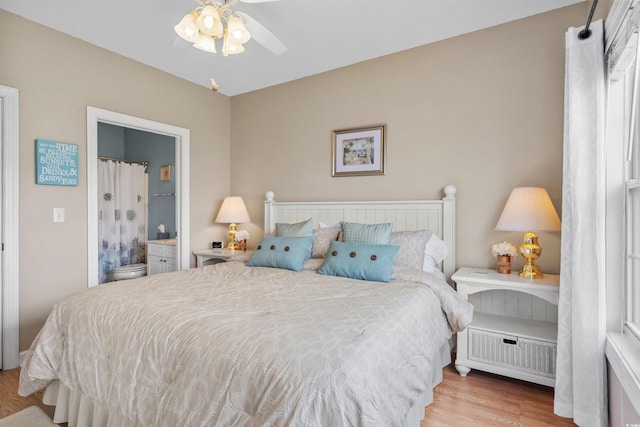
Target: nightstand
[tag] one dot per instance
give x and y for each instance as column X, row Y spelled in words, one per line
column 213, row 256
column 522, row 347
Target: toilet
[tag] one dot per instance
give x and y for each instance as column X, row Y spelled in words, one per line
column 131, row 271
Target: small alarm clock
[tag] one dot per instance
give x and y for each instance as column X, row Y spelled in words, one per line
column 216, row 245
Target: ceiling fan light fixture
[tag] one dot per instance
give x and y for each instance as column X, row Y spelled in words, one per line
column 237, row 31
column 229, row 47
column 205, row 43
column 209, row 22
column 187, row 28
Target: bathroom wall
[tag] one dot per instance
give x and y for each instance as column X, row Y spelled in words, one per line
column 110, row 141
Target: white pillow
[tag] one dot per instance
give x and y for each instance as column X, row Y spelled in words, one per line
column 322, row 238
column 434, row 252
column 412, row 244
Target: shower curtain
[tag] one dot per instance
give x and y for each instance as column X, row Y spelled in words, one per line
column 121, row 216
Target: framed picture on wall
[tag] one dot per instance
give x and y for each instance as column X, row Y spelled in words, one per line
column 165, row 173
column 359, row 151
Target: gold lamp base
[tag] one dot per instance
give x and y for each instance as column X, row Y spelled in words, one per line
column 233, row 245
column 530, row 250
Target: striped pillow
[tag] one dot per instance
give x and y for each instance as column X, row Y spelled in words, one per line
column 298, row 229
column 366, row 234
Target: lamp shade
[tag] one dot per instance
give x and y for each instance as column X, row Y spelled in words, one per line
column 229, row 47
column 209, row 22
column 206, row 43
column 236, row 31
column 233, row 211
column 187, row 28
column 529, row 209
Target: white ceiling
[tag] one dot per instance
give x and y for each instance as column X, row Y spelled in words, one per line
column 321, row 35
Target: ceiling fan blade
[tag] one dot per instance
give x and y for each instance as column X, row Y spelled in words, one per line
column 262, row 35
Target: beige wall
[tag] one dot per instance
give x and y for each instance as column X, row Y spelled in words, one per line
column 483, row 111
column 57, row 77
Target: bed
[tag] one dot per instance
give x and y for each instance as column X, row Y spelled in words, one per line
column 246, row 343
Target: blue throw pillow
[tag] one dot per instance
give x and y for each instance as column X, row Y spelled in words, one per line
column 358, row 261
column 282, row 252
column 368, row 234
column 298, row 229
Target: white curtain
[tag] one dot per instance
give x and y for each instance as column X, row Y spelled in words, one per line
column 580, row 367
column 121, row 216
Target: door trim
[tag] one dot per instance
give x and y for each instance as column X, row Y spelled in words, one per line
column 10, row 286
column 182, row 138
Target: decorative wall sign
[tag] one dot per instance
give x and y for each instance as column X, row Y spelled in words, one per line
column 56, row 163
column 358, row 151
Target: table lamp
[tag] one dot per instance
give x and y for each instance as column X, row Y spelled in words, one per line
column 231, row 212
column 528, row 209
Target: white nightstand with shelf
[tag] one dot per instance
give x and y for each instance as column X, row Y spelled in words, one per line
column 523, row 348
column 214, row 256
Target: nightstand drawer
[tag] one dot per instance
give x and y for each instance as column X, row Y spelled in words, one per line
column 511, row 351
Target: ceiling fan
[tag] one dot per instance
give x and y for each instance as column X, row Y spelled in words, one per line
column 215, row 19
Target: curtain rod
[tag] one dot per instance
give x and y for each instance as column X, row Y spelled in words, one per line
column 586, row 33
column 123, row 161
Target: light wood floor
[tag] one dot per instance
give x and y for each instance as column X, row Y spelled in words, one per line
column 479, row 400
column 486, row 400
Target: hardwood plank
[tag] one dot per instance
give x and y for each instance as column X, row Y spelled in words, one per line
column 488, row 400
column 11, row 402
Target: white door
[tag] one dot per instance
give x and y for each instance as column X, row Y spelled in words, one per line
column 9, row 209
column 1, row 238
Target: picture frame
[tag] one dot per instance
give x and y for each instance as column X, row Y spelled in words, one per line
column 359, row 151
column 165, row 173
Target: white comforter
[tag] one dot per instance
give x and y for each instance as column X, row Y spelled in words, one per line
column 232, row 345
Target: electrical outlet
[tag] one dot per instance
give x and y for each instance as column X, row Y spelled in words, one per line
column 58, row 214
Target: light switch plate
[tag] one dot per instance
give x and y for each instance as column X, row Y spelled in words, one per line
column 58, row 214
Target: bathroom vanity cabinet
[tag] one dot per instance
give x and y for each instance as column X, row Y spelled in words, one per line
column 161, row 256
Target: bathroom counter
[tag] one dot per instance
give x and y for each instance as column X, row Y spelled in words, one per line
column 171, row 242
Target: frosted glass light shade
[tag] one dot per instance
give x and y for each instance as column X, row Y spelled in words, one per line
column 187, row 28
column 233, row 210
column 237, row 31
column 529, row 209
column 229, row 47
column 209, row 22
column 206, row 43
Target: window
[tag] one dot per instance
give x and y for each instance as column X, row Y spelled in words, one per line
column 623, row 189
column 622, row 210
column 632, row 225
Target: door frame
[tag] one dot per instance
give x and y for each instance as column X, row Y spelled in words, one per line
column 182, row 141
column 10, row 285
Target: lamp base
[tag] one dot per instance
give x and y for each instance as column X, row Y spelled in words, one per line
column 530, row 250
column 233, row 245
column 531, row 272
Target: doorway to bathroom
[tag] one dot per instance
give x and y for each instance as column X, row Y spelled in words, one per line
column 136, row 196
column 172, row 192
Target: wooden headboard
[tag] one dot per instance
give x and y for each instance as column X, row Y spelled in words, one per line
column 439, row 216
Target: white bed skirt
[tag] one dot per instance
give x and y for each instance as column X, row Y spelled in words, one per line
column 80, row 411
